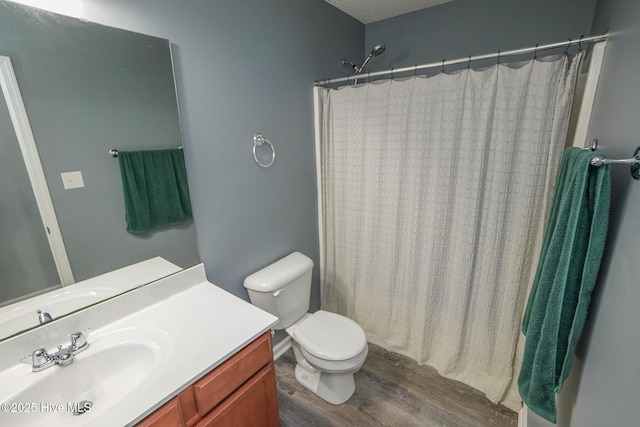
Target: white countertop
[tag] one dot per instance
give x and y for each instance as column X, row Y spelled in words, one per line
column 204, row 324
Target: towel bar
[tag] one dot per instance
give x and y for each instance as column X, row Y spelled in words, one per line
column 634, row 161
column 114, row 151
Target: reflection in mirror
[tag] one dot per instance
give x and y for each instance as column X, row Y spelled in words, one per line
column 87, row 89
column 34, row 311
column 29, row 234
column 26, row 261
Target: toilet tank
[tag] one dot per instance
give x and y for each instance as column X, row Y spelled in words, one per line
column 283, row 288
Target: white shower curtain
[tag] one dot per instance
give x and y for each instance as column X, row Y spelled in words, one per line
column 434, row 192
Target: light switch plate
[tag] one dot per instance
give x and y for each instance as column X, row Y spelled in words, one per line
column 72, row 180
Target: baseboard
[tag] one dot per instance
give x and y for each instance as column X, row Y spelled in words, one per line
column 281, row 348
column 522, row 416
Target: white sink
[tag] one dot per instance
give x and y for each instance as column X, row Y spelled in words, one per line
column 113, row 366
column 146, row 346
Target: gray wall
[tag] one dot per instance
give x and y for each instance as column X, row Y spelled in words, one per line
column 604, row 386
column 471, row 27
column 88, row 88
column 245, row 67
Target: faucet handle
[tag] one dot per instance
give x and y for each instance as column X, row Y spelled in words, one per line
column 78, row 342
column 27, row 360
column 40, row 357
column 38, row 360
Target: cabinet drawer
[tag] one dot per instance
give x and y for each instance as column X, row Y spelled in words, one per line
column 224, row 380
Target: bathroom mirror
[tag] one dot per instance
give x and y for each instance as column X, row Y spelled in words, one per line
column 86, row 89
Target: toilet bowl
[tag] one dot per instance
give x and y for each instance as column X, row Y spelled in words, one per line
column 329, row 348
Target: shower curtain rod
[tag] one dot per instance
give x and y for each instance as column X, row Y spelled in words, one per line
column 445, row 62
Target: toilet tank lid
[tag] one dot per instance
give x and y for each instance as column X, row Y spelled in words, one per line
column 278, row 274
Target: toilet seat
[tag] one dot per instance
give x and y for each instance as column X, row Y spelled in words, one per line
column 337, row 366
column 330, row 341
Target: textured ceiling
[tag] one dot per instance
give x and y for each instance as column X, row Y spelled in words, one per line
column 368, row 11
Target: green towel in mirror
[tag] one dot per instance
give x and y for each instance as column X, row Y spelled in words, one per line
column 566, row 274
column 155, row 187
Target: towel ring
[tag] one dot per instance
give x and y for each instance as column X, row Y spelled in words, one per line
column 259, row 141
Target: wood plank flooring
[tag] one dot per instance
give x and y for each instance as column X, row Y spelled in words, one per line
column 391, row 390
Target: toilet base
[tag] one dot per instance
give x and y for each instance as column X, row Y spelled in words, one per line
column 334, row 388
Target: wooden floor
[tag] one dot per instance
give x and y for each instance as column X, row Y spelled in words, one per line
column 391, row 390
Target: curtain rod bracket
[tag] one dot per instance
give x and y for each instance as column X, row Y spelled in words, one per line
column 635, row 168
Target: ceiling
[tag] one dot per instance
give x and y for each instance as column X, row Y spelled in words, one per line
column 368, row 11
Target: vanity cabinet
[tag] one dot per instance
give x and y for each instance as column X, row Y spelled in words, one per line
column 239, row 392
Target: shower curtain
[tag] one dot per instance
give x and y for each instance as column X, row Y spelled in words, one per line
column 434, row 193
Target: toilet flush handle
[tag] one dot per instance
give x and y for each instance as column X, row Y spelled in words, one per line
column 278, row 292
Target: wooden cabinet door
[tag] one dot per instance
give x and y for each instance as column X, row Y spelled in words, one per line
column 170, row 415
column 255, row 404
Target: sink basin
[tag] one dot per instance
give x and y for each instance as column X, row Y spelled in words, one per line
column 112, row 368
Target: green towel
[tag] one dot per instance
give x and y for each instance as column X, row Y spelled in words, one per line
column 569, row 261
column 156, row 192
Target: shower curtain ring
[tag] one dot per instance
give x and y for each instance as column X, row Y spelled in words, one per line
column 469, row 63
column 442, row 66
column 568, row 45
column 392, row 74
column 580, row 43
column 415, row 70
column 535, row 52
column 498, row 57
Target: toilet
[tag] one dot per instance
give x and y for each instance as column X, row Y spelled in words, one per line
column 329, row 348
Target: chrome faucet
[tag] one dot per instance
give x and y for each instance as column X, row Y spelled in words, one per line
column 40, row 359
column 44, row 317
